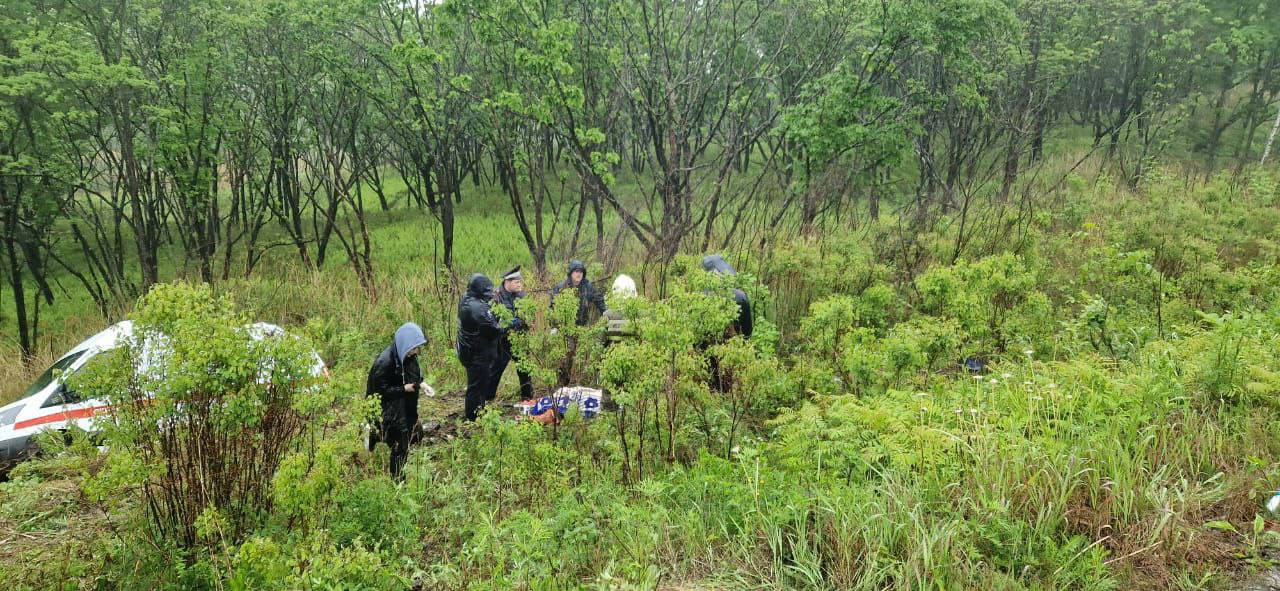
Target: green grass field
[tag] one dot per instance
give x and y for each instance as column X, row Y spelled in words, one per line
column 1122, row 436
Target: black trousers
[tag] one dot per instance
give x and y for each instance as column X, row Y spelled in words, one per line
column 482, row 386
column 718, row 381
column 500, row 366
column 397, row 441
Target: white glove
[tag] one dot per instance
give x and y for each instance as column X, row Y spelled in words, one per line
column 428, row 390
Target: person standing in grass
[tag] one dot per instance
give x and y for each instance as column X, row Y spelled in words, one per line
column 717, row 265
column 590, row 306
column 478, row 336
column 742, row 325
column 590, row 301
column 511, row 290
column 396, row 378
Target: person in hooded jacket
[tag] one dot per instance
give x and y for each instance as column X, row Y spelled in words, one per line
column 479, row 333
column 512, row 289
column 396, row 378
column 742, row 324
column 590, row 301
column 590, row 306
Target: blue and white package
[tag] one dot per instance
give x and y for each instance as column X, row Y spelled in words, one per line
column 586, row 400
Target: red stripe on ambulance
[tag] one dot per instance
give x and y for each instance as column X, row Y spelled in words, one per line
column 79, row 413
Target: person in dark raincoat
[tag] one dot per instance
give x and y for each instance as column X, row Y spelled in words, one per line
column 396, row 378
column 590, row 300
column 742, row 324
column 478, row 335
column 590, row 306
column 512, row 289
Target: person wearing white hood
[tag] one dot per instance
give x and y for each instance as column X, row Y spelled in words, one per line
column 617, row 326
column 396, row 378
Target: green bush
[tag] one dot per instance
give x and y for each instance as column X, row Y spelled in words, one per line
column 202, row 413
column 316, row 564
column 995, row 302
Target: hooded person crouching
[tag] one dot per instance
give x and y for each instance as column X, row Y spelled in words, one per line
column 396, row 378
column 478, row 338
column 511, row 290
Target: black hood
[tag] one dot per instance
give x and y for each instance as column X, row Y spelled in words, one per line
column 576, row 266
column 480, row 287
column 715, row 263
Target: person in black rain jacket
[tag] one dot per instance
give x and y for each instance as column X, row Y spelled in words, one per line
column 590, row 301
column 396, row 378
column 478, row 336
column 742, row 324
column 512, row 289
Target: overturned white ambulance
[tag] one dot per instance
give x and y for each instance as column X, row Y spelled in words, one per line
column 48, row 404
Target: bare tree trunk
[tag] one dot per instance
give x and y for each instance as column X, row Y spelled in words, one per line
column 1037, row 142
column 19, row 294
column 1266, row 151
column 142, row 231
column 577, row 226
column 446, row 230
column 873, row 202
column 597, row 201
column 1217, row 127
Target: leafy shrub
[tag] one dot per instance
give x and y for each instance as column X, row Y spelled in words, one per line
column 553, row 348
column 318, row 563
column 846, row 437
column 995, row 302
column 1234, row 361
column 661, row 378
column 202, row 412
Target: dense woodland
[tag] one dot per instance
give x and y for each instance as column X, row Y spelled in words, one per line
column 1013, row 267
column 224, row 131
